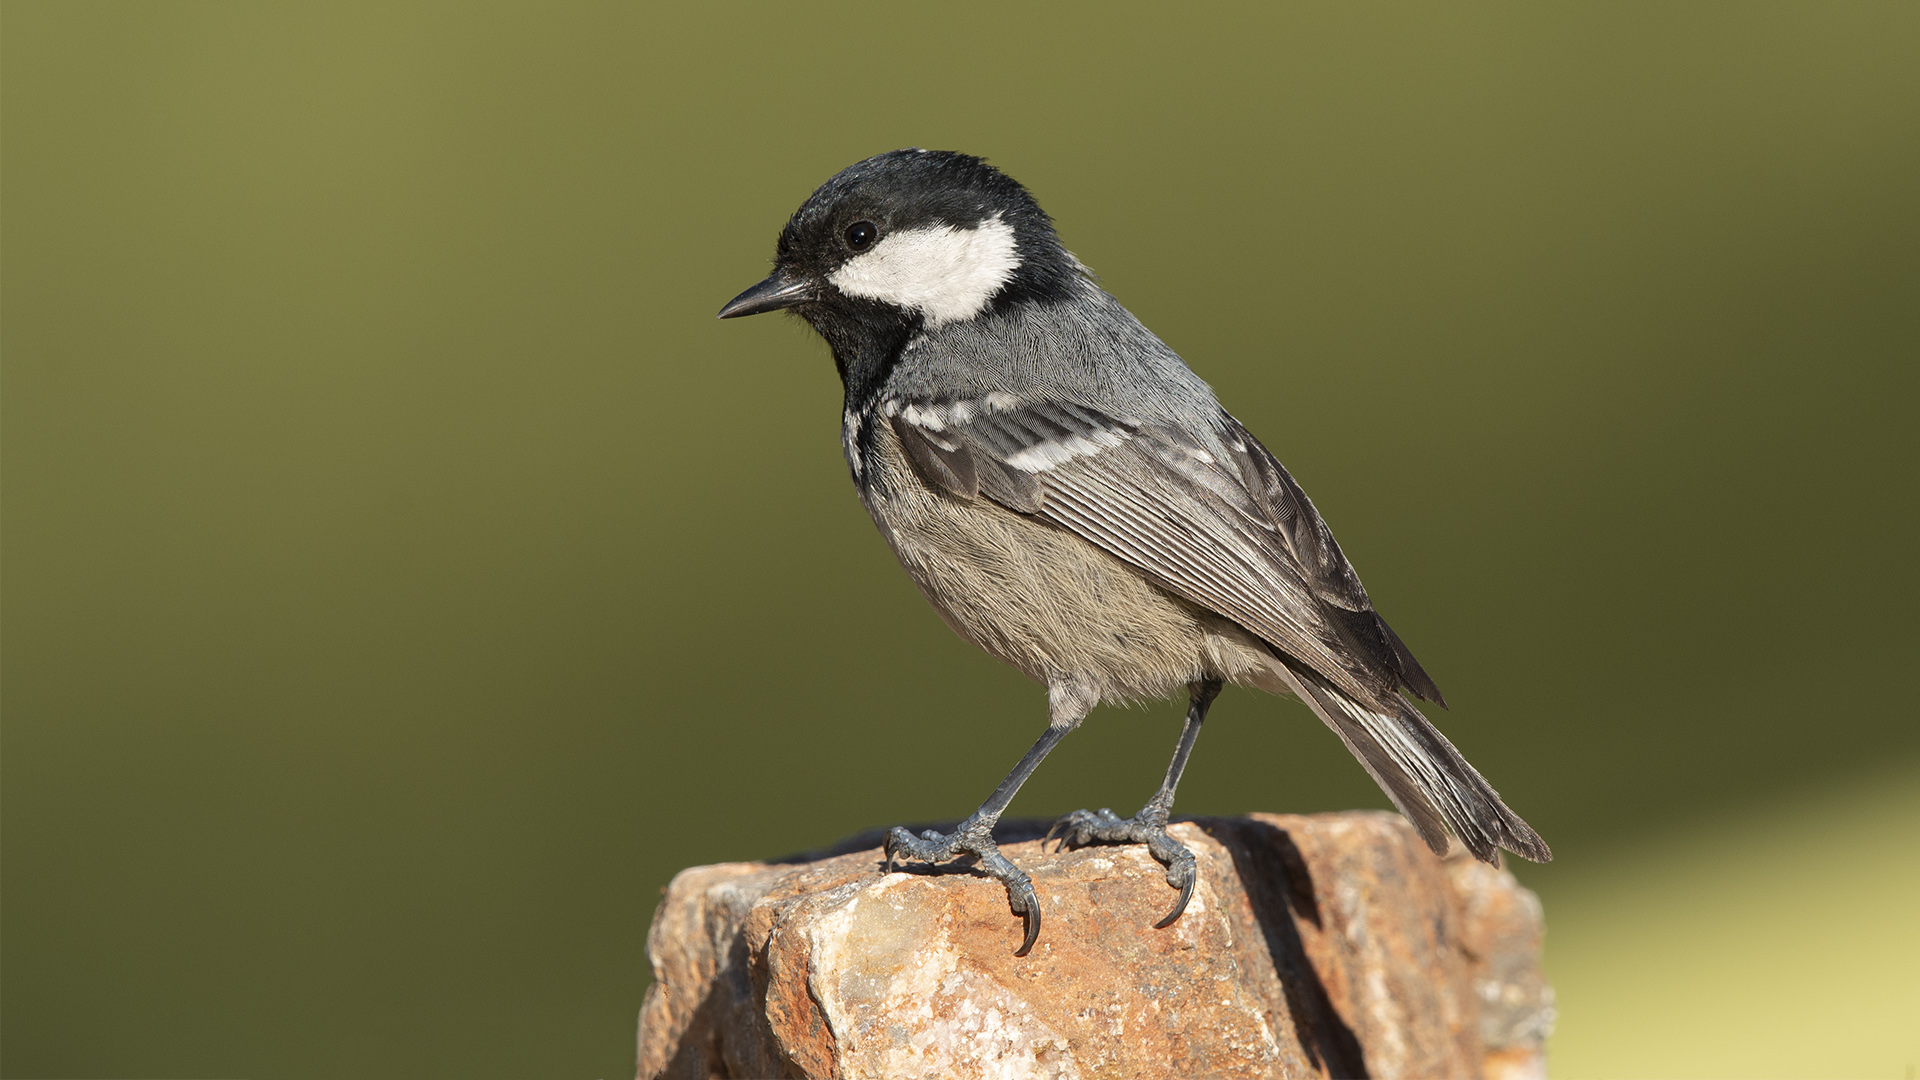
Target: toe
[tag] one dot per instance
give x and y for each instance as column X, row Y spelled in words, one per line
column 1057, row 833
column 1069, row 831
column 1025, row 902
column 1180, row 905
column 1033, row 928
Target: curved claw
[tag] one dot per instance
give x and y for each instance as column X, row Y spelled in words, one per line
column 1033, row 927
column 1061, row 834
column 1025, row 903
column 1067, row 830
column 1180, row 905
column 1079, row 828
column 890, row 850
column 1054, row 832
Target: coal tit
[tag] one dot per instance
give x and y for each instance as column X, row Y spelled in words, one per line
column 1071, row 498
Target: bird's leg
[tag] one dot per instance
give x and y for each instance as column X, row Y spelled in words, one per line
column 1149, row 826
column 975, row 836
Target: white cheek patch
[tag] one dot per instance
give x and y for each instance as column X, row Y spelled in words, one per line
column 942, row 272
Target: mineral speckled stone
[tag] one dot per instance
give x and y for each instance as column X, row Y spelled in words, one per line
column 1332, row 945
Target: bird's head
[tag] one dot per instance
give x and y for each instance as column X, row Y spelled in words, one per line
column 911, row 240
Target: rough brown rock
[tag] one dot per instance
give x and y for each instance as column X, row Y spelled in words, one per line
column 1333, row 945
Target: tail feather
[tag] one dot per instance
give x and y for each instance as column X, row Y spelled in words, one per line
column 1421, row 772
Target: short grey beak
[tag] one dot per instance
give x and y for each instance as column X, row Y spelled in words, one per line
column 777, row 292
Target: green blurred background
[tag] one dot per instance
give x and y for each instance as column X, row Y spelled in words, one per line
column 405, row 574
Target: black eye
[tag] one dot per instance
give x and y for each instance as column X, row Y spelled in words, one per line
column 862, row 234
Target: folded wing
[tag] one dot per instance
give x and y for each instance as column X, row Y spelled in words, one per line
column 1224, row 527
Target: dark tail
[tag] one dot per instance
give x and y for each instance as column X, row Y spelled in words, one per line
column 1422, row 773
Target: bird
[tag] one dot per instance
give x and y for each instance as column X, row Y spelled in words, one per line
column 1073, row 499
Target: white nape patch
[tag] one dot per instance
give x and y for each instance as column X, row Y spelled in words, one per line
column 942, row 272
column 1045, row 455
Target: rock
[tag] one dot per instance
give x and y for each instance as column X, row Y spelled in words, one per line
column 1332, row 945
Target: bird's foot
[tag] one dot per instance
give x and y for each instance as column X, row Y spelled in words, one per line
column 1149, row 827
column 974, row 838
